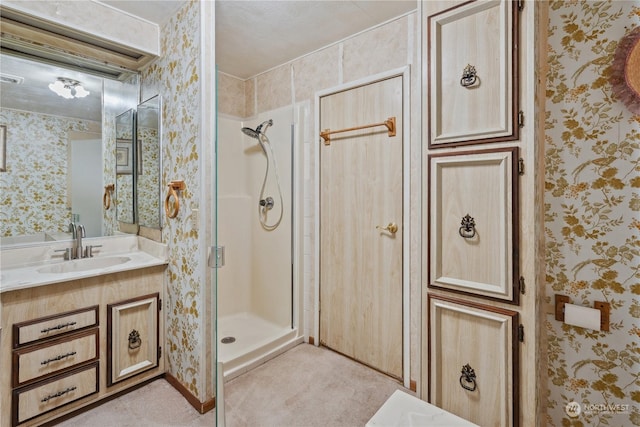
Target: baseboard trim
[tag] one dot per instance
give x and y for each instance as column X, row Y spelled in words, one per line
column 312, row 341
column 201, row 407
column 413, row 385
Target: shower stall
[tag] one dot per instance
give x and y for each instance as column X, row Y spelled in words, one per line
column 255, row 287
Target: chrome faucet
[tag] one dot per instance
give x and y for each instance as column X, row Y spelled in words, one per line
column 77, row 233
column 74, row 235
column 81, row 234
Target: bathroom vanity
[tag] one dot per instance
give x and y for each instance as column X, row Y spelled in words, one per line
column 75, row 332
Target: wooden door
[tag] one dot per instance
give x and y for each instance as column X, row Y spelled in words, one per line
column 361, row 193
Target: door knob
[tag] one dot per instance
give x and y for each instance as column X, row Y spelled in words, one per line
column 392, row 227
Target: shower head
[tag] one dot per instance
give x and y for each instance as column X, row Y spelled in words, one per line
column 250, row 132
column 258, row 131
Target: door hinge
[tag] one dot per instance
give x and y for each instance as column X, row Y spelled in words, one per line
column 521, row 284
column 159, row 352
column 521, row 333
column 520, row 5
column 159, row 304
column 521, row 166
column 521, row 118
column 216, row 257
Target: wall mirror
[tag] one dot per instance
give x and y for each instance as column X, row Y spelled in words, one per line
column 49, row 180
column 148, row 137
column 126, row 158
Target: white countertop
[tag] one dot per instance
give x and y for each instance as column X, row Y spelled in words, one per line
column 403, row 410
column 19, row 267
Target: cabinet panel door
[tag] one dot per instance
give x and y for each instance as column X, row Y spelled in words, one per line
column 473, row 243
column 132, row 337
column 473, row 361
column 473, row 93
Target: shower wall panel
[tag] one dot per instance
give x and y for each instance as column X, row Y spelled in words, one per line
column 256, row 277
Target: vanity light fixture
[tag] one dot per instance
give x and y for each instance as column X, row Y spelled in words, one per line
column 68, row 88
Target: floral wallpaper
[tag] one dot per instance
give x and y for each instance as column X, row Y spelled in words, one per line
column 592, row 216
column 148, row 212
column 32, row 190
column 175, row 77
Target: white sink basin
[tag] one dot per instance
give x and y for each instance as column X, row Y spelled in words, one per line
column 84, row 264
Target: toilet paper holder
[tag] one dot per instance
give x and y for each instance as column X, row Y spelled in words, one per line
column 604, row 308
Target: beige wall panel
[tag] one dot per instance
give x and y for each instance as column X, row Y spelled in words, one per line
column 381, row 49
column 231, row 95
column 316, row 72
column 249, row 97
column 274, row 89
column 483, row 338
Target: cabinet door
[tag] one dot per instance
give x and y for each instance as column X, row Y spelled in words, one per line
column 473, row 73
column 474, row 361
column 132, row 337
column 473, row 242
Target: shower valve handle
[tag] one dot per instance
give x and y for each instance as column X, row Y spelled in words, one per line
column 267, row 203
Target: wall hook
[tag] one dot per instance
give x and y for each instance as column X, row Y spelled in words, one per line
column 106, row 197
column 174, row 187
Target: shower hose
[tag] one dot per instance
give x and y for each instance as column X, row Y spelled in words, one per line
column 263, row 209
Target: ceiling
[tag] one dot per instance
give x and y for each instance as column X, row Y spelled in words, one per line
column 255, row 36
column 252, row 36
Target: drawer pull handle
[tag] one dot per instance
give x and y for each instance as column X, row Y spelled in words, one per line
column 134, row 340
column 468, row 376
column 55, row 328
column 468, row 227
column 58, row 394
column 59, row 357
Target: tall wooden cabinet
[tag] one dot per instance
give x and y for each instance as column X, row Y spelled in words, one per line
column 480, row 297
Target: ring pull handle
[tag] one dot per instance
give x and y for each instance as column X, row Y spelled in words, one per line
column 469, row 76
column 467, row 229
column 392, row 227
column 468, row 377
column 106, row 197
column 134, row 340
column 174, row 187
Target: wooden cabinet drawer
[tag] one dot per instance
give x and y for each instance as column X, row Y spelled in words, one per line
column 38, row 361
column 45, row 396
column 51, row 326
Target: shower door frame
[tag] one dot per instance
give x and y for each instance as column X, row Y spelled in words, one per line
column 405, row 73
